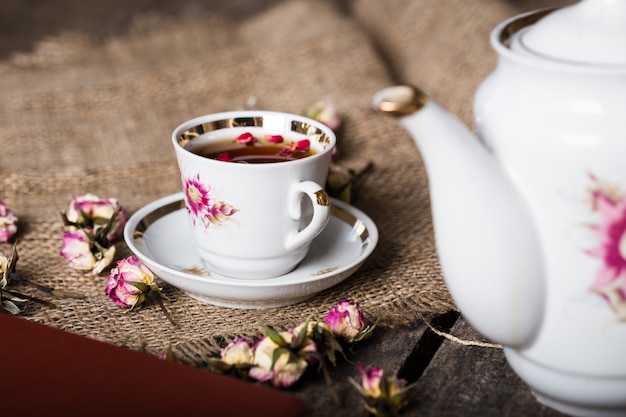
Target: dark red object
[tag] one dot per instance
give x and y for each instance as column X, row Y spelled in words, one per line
column 47, row 371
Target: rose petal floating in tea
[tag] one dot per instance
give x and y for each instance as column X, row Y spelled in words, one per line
column 246, row 138
column 274, row 138
column 224, row 156
column 265, row 149
column 302, row 145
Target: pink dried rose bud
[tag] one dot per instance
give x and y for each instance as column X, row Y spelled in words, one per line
column 238, row 352
column 235, row 359
column 346, row 321
column 312, row 327
column 81, row 253
column 325, row 112
column 325, row 342
column 246, row 138
column 384, row 395
column 281, row 363
column 274, row 138
column 129, row 283
column 8, row 223
column 91, row 211
column 370, row 382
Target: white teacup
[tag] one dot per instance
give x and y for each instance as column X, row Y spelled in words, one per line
column 254, row 220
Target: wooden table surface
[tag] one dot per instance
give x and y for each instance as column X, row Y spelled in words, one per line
column 453, row 379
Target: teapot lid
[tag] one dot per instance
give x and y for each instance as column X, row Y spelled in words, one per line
column 588, row 32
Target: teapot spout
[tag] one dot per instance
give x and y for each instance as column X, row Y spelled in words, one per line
column 486, row 240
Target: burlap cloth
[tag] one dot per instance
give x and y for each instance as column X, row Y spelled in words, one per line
column 79, row 115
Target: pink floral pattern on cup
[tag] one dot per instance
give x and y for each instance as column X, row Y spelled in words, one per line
column 610, row 280
column 203, row 206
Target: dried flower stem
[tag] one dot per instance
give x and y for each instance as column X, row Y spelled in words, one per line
column 329, row 383
column 49, row 290
column 157, row 297
column 28, row 297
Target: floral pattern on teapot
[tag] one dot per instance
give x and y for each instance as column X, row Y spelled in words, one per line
column 203, row 206
column 610, row 281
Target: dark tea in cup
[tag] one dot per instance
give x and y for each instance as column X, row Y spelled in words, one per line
column 251, row 149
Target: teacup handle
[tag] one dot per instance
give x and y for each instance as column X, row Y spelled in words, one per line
column 321, row 213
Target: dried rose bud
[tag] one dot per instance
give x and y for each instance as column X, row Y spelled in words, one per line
column 11, row 301
column 4, row 271
column 224, row 156
column 238, row 352
column 246, row 138
column 325, row 342
column 312, row 327
column 129, row 282
column 91, row 211
column 339, row 182
column 345, row 319
column 281, row 358
column 274, row 138
column 384, row 395
column 82, row 253
column 235, row 359
column 325, row 112
column 8, row 223
column 370, row 382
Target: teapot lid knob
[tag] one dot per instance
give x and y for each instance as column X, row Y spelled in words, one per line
column 588, row 32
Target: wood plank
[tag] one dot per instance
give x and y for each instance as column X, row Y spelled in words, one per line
column 472, row 381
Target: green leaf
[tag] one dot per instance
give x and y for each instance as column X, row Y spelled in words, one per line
column 276, row 354
column 301, row 336
column 13, row 260
column 11, row 307
column 274, row 336
column 365, row 333
column 219, row 366
column 139, row 285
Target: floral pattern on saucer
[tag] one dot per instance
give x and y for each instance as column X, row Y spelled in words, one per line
column 610, row 281
column 202, row 206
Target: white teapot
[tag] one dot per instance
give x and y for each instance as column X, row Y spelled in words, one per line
column 530, row 220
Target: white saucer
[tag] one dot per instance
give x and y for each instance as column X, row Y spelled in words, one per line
column 160, row 236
